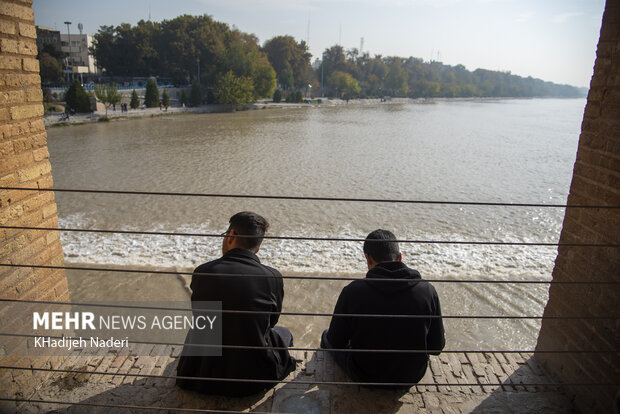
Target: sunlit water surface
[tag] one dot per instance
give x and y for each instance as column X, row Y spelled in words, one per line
column 519, row 151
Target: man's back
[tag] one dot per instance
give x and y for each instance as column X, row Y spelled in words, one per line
column 246, row 293
column 412, row 296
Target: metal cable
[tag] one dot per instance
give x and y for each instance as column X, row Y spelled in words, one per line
column 343, row 315
column 335, row 278
column 306, row 349
column 133, row 407
column 307, row 238
column 308, row 382
column 305, row 198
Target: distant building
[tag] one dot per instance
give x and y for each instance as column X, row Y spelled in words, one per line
column 47, row 35
column 79, row 61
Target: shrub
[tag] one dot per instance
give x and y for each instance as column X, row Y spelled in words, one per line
column 134, row 103
column 77, row 99
column 195, row 97
column 151, row 96
column 277, row 96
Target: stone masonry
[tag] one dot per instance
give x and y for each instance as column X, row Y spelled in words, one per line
column 24, row 163
column 596, row 181
column 480, row 383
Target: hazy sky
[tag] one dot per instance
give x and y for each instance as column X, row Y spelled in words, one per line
column 554, row 40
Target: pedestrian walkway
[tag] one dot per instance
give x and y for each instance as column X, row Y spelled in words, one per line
column 304, row 390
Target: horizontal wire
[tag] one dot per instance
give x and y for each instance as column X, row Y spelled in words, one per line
column 307, row 238
column 133, row 407
column 308, row 349
column 335, row 278
column 309, row 382
column 342, row 315
column 306, row 198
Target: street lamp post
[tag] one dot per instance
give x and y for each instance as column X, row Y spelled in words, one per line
column 322, row 85
column 69, row 59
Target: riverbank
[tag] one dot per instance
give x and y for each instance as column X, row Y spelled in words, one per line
column 57, row 120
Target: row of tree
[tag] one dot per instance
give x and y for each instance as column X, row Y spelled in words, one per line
column 78, row 100
column 187, row 48
column 230, row 66
column 349, row 74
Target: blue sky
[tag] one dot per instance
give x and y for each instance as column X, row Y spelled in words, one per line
column 554, row 40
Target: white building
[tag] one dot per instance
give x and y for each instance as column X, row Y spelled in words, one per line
column 76, row 47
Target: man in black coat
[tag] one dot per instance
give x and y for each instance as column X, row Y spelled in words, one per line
column 247, row 293
column 408, row 295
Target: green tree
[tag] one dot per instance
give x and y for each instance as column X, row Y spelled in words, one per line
column 134, row 103
column 184, row 100
column 77, row 99
column 344, row 84
column 108, row 95
column 334, row 60
column 50, row 68
column 277, row 96
column 396, row 78
column 233, row 90
column 195, row 96
column 290, row 60
column 151, row 96
column 264, row 78
column 165, row 99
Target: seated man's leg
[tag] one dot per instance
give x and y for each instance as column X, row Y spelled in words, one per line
column 339, row 356
column 285, row 334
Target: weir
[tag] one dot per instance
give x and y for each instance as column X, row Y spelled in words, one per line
column 575, row 363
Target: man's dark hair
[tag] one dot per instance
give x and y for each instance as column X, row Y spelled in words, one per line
column 381, row 250
column 247, row 223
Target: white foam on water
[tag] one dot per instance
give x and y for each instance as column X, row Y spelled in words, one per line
column 306, row 256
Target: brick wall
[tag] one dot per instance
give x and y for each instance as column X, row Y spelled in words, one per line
column 24, row 163
column 596, row 181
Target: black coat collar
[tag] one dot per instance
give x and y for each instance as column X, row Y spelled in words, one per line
column 242, row 253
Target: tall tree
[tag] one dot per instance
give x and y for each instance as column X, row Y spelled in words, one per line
column 77, row 99
column 264, row 79
column 396, row 78
column 151, row 95
column 50, row 68
column 134, row 103
column 195, row 97
column 233, row 90
column 290, row 60
column 344, row 84
column 165, row 99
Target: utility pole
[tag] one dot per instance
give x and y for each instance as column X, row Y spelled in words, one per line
column 322, row 66
column 69, row 61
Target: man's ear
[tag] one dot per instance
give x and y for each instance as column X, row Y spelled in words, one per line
column 400, row 257
column 230, row 240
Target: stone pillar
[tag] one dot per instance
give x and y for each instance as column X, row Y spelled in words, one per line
column 596, row 181
column 24, row 163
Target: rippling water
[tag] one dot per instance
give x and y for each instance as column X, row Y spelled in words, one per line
column 518, row 151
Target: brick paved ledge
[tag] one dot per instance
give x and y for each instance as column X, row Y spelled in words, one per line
column 507, row 369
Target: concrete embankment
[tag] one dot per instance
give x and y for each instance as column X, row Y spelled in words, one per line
column 57, row 119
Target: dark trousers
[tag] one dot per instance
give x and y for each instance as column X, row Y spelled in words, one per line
column 343, row 359
column 340, row 357
column 285, row 334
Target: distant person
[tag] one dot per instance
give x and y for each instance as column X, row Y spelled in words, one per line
column 248, row 293
column 409, row 295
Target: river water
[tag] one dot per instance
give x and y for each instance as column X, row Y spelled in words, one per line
column 519, row 151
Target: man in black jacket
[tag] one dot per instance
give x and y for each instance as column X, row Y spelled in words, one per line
column 253, row 292
column 408, row 295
